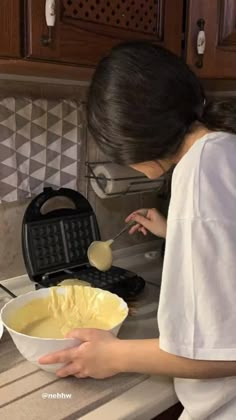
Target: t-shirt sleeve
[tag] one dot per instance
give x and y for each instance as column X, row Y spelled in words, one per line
column 197, row 311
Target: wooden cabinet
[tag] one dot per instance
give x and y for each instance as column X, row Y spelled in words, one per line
column 10, row 28
column 85, row 30
column 219, row 60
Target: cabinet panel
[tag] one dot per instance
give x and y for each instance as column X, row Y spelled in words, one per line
column 10, row 28
column 227, row 24
column 86, row 30
column 220, row 28
column 134, row 17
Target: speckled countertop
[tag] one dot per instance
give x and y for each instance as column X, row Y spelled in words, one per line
column 121, row 398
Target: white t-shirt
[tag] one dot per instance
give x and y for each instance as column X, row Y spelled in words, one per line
column 197, row 311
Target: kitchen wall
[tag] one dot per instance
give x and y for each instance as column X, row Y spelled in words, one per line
column 110, row 212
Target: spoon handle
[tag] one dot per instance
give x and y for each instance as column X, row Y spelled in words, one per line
column 123, row 231
column 131, row 223
column 7, row 291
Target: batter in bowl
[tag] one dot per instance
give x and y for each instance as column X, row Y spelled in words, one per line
column 57, row 314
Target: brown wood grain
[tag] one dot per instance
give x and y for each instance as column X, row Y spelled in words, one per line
column 10, row 28
column 77, row 45
column 84, row 41
column 45, row 69
column 129, row 15
column 220, row 28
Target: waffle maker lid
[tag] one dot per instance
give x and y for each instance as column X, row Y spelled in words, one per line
column 55, row 244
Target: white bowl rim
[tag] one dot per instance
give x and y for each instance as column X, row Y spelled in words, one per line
column 3, row 324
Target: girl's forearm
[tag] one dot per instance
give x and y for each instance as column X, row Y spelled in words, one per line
column 145, row 356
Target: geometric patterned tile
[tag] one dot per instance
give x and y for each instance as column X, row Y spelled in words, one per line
column 5, row 152
column 65, row 178
column 40, row 157
column 40, row 142
column 34, row 166
column 55, row 163
column 6, row 170
column 36, row 148
column 5, row 113
column 71, row 151
column 54, row 142
column 37, row 112
column 71, row 135
column 70, row 169
column 50, row 172
column 5, row 132
column 66, row 161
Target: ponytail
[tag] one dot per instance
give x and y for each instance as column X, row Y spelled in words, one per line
column 220, row 115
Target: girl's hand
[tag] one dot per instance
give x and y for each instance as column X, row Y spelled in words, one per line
column 153, row 222
column 94, row 357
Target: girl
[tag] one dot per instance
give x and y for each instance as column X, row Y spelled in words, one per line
column 147, row 109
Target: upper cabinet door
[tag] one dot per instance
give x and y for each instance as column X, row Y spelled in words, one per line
column 219, row 22
column 10, row 28
column 86, row 29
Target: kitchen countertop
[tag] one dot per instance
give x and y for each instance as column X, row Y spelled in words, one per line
column 145, row 397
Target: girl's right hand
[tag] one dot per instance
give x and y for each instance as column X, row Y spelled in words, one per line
column 153, row 222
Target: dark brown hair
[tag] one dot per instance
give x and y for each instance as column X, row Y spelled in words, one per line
column 143, row 100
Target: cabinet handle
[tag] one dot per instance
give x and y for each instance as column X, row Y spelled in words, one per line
column 201, row 42
column 50, row 16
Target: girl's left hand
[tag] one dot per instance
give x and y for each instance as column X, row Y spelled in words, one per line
column 94, row 357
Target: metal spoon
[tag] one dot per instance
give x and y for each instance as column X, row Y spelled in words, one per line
column 100, row 253
column 7, row 291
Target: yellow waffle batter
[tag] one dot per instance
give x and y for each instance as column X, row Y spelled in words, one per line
column 57, row 314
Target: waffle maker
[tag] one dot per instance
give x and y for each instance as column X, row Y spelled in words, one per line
column 55, row 246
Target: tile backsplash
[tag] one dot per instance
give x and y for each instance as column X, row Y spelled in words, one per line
column 11, row 261
column 110, row 212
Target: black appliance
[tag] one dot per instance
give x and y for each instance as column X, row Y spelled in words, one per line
column 55, row 245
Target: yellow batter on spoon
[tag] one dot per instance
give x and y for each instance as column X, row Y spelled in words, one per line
column 100, row 255
column 57, row 314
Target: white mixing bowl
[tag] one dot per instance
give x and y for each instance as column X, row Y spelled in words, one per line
column 32, row 348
